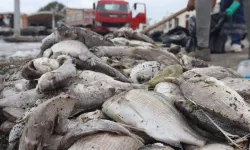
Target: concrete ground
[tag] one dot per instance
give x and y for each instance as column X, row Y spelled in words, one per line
column 230, row 60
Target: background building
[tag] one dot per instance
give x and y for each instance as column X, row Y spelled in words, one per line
column 80, row 17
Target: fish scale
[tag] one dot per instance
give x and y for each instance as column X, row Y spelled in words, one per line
column 213, row 95
column 152, row 114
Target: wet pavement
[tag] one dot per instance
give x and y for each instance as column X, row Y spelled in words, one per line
column 19, row 50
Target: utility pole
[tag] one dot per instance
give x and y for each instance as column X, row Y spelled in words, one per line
column 17, row 28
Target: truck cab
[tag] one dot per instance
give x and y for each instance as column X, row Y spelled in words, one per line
column 111, row 15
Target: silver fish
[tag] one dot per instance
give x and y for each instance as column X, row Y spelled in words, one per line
column 106, row 141
column 43, row 65
column 41, row 121
column 131, row 34
column 92, row 97
column 120, row 41
column 145, row 71
column 21, row 100
column 157, row 146
column 197, row 117
column 50, row 40
column 211, row 147
column 92, row 127
column 144, row 52
column 153, row 114
column 213, row 95
column 171, row 91
column 217, row 72
column 240, row 85
column 60, row 77
column 29, row 72
column 85, row 59
column 95, row 78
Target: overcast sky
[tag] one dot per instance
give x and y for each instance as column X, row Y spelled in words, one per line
column 156, row 9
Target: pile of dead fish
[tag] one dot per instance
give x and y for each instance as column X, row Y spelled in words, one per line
column 122, row 92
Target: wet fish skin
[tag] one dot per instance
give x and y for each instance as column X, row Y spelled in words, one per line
column 144, row 110
column 189, row 63
column 16, row 132
column 92, row 127
column 57, row 78
column 145, row 52
column 131, row 34
column 171, row 91
column 87, row 37
column 106, row 141
column 214, row 96
column 217, row 72
column 196, row 116
column 240, row 85
column 145, row 71
column 21, row 100
column 40, row 124
column 95, row 78
column 43, row 65
column 90, row 97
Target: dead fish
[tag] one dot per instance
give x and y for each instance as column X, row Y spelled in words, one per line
column 131, row 34
column 43, row 65
column 213, row 95
column 40, row 123
column 189, row 63
column 60, row 77
column 157, row 146
column 106, row 141
column 217, row 72
column 171, row 91
column 21, row 100
column 20, row 85
column 85, row 59
column 87, row 37
column 145, row 71
column 211, row 147
column 120, row 41
column 95, row 78
column 92, row 127
column 91, row 97
column 98, row 114
column 168, row 71
column 240, row 85
column 153, row 114
column 12, row 114
column 197, row 117
column 6, row 127
column 144, row 52
column 69, row 47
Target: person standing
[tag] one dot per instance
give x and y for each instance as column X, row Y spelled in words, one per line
column 203, row 19
column 235, row 26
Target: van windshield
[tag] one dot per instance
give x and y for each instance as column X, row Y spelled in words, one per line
column 113, row 7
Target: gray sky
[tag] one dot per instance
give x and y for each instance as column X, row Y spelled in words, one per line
column 156, row 9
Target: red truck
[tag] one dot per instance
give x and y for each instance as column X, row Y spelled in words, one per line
column 113, row 14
